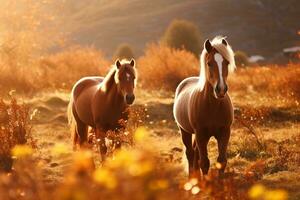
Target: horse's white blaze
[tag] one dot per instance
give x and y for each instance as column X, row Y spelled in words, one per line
column 128, row 76
column 219, row 60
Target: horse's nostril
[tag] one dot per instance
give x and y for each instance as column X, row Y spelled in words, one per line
column 225, row 88
column 217, row 89
column 130, row 98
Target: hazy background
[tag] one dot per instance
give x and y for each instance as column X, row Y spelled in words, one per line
column 262, row 27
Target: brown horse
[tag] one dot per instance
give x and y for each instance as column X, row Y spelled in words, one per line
column 203, row 106
column 101, row 102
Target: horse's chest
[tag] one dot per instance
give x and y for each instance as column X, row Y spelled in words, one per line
column 112, row 118
column 217, row 115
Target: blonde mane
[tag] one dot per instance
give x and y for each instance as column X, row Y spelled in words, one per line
column 225, row 50
column 108, row 79
column 112, row 76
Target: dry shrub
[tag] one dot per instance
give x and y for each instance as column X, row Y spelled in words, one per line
column 25, row 181
column 269, row 80
column 182, row 34
column 28, row 29
column 19, row 79
column 60, row 70
column 125, row 135
column 124, row 51
column 241, row 59
column 14, row 130
column 164, row 68
column 284, row 155
column 63, row 69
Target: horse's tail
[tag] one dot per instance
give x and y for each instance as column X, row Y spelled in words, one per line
column 72, row 122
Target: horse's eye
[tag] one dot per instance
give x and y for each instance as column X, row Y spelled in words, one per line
column 209, row 64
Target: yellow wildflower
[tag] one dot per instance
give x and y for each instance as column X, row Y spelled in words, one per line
column 276, row 195
column 20, row 151
column 83, row 160
column 59, row 149
column 159, row 184
column 123, row 158
column 105, row 177
column 140, row 134
column 140, row 168
column 256, row 191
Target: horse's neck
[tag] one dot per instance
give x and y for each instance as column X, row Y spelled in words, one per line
column 204, row 97
column 208, row 91
column 114, row 96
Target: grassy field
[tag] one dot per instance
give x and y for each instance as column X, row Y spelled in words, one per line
column 264, row 140
column 38, row 68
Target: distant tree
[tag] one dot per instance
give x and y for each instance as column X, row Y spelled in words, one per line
column 124, row 51
column 182, row 34
column 241, row 58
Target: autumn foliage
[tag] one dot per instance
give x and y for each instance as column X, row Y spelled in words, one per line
column 164, row 68
column 14, row 130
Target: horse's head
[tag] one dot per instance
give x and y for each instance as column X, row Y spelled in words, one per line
column 126, row 79
column 217, row 64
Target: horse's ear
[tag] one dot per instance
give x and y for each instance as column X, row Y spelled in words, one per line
column 132, row 62
column 118, row 63
column 224, row 42
column 207, row 45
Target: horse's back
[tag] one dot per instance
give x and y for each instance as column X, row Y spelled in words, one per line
column 85, row 83
column 186, row 84
column 83, row 92
column 181, row 104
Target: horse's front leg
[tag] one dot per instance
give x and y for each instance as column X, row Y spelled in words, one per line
column 100, row 136
column 222, row 137
column 117, row 143
column 202, row 139
column 189, row 151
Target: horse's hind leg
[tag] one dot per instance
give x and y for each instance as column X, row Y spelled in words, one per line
column 81, row 130
column 189, row 151
column 223, row 139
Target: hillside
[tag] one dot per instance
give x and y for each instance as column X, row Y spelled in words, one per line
column 258, row 27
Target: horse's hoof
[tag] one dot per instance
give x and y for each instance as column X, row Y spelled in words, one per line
column 90, row 138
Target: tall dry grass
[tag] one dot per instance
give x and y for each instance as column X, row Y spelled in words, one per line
column 14, row 130
column 63, row 69
column 163, row 68
column 272, row 80
column 56, row 71
column 29, row 29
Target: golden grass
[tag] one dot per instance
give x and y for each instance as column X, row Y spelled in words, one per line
column 63, row 69
column 57, row 71
column 163, row 68
column 131, row 174
column 271, row 80
column 14, row 130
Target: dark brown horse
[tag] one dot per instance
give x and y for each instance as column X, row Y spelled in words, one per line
column 203, row 106
column 101, row 102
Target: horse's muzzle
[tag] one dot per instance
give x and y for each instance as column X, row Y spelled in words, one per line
column 221, row 92
column 130, row 98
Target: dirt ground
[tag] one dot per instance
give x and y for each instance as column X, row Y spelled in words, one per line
column 278, row 132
